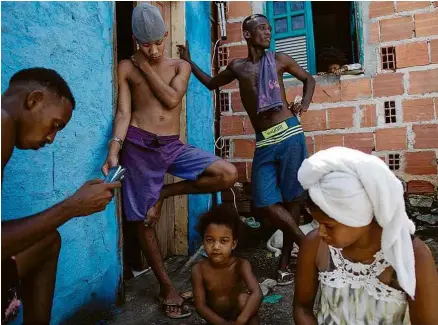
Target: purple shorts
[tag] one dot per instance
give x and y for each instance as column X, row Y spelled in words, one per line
column 147, row 158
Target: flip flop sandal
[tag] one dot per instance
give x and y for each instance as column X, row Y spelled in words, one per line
column 251, row 222
column 188, row 296
column 265, row 291
column 269, row 283
column 176, row 311
column 267, row 286
column 284, row 278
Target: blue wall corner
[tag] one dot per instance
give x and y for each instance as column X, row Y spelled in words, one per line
column 200, row 111
column 76, row 39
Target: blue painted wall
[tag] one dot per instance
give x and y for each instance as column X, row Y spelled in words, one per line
column 74, row 38
column 200, row 111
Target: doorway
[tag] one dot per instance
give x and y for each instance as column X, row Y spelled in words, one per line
column 171, row 232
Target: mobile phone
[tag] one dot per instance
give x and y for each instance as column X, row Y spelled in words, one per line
column 115, row 174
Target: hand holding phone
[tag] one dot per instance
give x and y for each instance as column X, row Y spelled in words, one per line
column 115, row 174
column 91, row 197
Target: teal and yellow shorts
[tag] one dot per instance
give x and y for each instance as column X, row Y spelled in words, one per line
column 280, row 151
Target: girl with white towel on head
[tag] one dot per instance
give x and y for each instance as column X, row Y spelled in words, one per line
column 362, row 266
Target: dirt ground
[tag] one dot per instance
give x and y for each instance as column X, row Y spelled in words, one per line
column 142, row 307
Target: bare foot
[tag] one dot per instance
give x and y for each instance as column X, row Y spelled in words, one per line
column 154, row 213
column 173, row 303
column 171, row 296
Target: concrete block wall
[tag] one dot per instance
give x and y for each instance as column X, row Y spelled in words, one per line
column 74, row 38
column 350, row 110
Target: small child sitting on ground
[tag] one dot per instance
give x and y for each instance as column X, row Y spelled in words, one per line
column 221, row 282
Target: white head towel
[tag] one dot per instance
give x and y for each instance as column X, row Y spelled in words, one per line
column 352, row 188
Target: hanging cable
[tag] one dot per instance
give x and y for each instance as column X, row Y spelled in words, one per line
column 222, row 143
column 222, row 23
column 222, row 20
column 234, row 200
column 212, row 61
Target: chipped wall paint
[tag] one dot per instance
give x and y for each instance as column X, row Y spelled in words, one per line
column 74, row 38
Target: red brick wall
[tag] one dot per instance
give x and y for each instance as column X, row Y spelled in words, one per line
column 350, row 111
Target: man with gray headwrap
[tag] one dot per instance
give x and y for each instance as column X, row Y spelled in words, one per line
column 146, row 133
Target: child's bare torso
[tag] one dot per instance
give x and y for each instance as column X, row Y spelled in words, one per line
column 147, row 112
column 223, row 286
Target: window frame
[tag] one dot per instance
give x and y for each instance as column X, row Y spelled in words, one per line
column 308, row 30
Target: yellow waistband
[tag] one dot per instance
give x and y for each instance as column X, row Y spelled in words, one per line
column 276, row 129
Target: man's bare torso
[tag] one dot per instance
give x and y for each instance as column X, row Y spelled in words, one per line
column 247, row 74
column 147, row 112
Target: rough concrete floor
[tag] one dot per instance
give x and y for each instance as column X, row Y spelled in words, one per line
column 142, row 307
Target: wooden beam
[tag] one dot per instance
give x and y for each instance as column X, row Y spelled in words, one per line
column 178, row 31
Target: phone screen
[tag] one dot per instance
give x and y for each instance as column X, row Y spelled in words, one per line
column 115, row 174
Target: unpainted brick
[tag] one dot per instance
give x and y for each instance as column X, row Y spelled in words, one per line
column 411, row 5
column 381, row 8
column 360, row 141
column 340, row 117
column 325, row 141
column 314, row 120
column 426, row 136
column 391, row 139
column 421, row 163
column 396, row 29
column 231, row 125
column 420, row 187
column 238, row 9
column 422, row 82
column 412, row 54
column 415, row 110
column 243, row 148
column 369, row 116
column 355, row 89
column 426, row 24
column 389, row 84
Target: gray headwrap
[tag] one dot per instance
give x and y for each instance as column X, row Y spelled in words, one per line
column 147, row 23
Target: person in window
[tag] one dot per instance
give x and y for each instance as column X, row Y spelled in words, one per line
column 280, row 141
column 333, row 61
column 363, row 259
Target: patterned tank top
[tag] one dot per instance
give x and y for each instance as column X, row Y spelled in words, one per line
column 352, row 293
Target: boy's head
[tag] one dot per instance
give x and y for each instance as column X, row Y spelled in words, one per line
column 219, row 230
column 257, row 31
column 48, row 104
column 149, row 30
column 331, row 59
